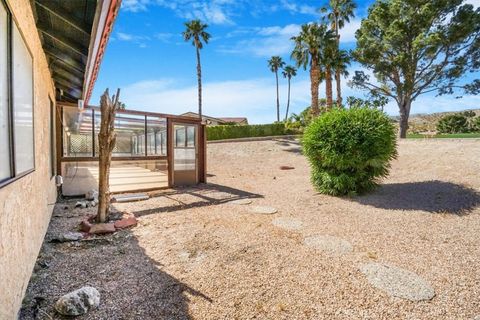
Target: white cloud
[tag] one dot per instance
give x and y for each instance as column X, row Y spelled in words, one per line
column 209, row 11
column 475, row 3
column 294, row 7
column 135, row 5
column 140, row 40
column 347, row 34
column 265, row 42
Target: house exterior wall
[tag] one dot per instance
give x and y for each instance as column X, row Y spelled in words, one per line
column 26, row 204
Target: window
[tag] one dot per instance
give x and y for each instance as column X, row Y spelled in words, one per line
column 5, row 163
column 53, row 169
column 22, row 104
column 16, row 101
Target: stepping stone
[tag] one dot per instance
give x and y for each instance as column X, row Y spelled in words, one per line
column 329, row 244
column 397, row 282
column 263, row 210
column 287, row 223
column 241, row 202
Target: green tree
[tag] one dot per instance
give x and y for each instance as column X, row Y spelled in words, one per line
column 274, row 64
column 415, row 47
column 339, row 12
column 309, row 47
column 288, row 72
column 196, row 31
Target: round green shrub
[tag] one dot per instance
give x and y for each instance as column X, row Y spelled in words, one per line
column 349, row 150
column 453, row 123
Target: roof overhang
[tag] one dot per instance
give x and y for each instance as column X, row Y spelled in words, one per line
column 74, row 36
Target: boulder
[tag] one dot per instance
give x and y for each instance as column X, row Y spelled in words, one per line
column 101, row 228
column 78, row 302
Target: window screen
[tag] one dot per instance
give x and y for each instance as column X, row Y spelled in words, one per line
column 22, row 103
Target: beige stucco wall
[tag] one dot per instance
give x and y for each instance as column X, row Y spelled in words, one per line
column 26, row 204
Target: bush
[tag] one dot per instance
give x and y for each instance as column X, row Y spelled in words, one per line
column 349, row 150
column 476, row 124
column 453, row 123
column 233, row 132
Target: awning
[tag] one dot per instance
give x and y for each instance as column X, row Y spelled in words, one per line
column 74, row 36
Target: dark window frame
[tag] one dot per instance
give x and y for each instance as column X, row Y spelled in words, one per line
column 53, row 140
column 11, row 21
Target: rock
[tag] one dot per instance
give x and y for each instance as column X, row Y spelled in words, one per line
column 85, row 226
column 81, row 204
column 126, row 223
column 94, row 203
column 241, row 201
column 286, row 168
column 263, row 210
column 397, row 282
column 287, row 223
column 78, row 302
column 68, row 236
column 92, row 195
column 329, row 244
column 101, row 228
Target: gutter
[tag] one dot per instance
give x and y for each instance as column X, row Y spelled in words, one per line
column 105, row 15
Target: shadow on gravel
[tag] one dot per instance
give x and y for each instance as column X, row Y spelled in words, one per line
column 432, row 196
column 290, row 145
column 202, row 195
column 132, row 285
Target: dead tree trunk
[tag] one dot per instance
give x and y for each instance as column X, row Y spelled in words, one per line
column 106, row 142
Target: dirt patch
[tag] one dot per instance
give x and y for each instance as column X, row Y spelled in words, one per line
column 194, row 255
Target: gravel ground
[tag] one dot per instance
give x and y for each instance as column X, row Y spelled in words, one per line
column 196, row 255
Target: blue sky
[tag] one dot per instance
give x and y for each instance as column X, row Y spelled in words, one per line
column 156, row 70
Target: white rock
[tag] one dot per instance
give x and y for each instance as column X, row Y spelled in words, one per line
column 329, row 244
column 287, row 223
column 398, row 282
column 263, row 210
column 241, row 201
column 91, row 195
column 81, row 204
column 78, row 302
column 71, row 236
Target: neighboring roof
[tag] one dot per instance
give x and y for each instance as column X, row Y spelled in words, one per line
column 233, row 119
column 220, row 120
column 74, row 35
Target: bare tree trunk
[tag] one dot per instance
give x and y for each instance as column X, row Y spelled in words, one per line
column 339, row 88
column 314, row 83
column 337, row 72
column 278, row 100
column 328, row 87
column 106, row 142
column 288, row 100
column 199, row 76
column 404, row 106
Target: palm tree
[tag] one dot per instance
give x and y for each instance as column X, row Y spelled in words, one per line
column 309, row 47
column 288, row 72
column 274, row 64
column 340, row 64
column 195, row 30
column 338, row 13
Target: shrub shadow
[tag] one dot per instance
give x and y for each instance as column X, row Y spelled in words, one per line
column 290, row 145
column 431, row 196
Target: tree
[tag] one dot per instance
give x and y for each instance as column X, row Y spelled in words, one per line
column 340, row 64
column 309, row 46
column 338, row 12
column 288, row 72
column 415, row 47
column 195, row 31
column 106, row 142
column 274, row 64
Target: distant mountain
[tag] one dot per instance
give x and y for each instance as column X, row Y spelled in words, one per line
column 424, row 123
